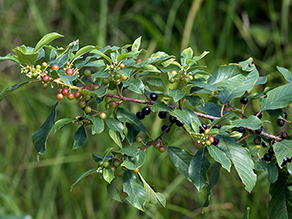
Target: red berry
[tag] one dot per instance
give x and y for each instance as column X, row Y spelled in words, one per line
column 157, row 145
column 59, row 96
column 112, row 104
column 102, row 115
column 122, row 65
column 94, row 86
column 69, row 71
column 46, row 78
column 55, row 67
column 123, row 77
column 78, row 95
column 139, row 60
column 70, row 96
column 136, row 170
column 65, row 91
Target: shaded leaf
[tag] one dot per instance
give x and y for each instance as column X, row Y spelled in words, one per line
column 39, row 137
column 115, row 125
column 176, row 94
column 124, row 115
column 246, row 215
column 113, row 192
column 161, row 106
column 115, row 137
column 97, row 124
column 61, row 123
column 134, row 162
column 282, row 149
column 220, row 157
column 80, row 138
column 155, row 82
column 129, row 150
column 252, row 122
column 46, row 39
column 9, row 89
column 68, row 79
column 195, row 100
column 136, row 86
column 286, row 73
column 272, row 172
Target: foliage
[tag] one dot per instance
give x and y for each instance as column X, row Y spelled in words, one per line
column 120, row 79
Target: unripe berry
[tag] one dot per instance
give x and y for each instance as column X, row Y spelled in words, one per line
column 173, row 72
column 157, row 145
column 120, row 173
column 138, row 60
column 117, row 163
column 123, row 77
column 86, row 97
column 87, row 109
column 105, row 80
column 122, row 65
column 44, row 64
column 59, row 96
column 55, row 67
column 87, row 72
column 161, row 149
column 81, row 103
column 102, row 115
column 106, row 164
column 112, row 104
column 136, row 170
column 45, row 85
column 95, row 86
column 78, row 95
column 138, row 139
column 187, row 79
column 107, row 99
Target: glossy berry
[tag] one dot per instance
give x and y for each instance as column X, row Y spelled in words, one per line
column 259, row 130
column 69, row 71
column 86, row 97
column 285, row 114
column 284, row 135
column 162, row 114
column 87, row 72
column 146, row 110
column 70, row 96
column 173, row 72
column 271, row 151
column 59, row 96
column 138, row 139
column 164, row 127
column 102, row 115
column 112, row 104
column 264, row 144
column 123, row 77
column 117, row 163
column 217, row 126
column 44, row 64
column 161, row 149
column 106, row 164
column 187, row 79
column 140, row 115
column 157, row 145
column 78, row 95
column 122, row 65
column 281, row 122
column 45, row 85
column 286, row 160
column 241, row 130
column 211, row 138
column 244, row 100
column 65, row 91
column 267, row 157
column 95, row 86
column 87, row 109
column 45, row 78
column 105, row 80
column 153, row 96
column 81, row 103
column 138, row 60
column 215, row 142
column 172, row 119
column 203, row 128
column 179, row 123
column 136, row 170
column 55, row 67
column 258, row 115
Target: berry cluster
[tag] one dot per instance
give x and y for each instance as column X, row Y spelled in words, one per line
column 180, row 76
column 172, row 120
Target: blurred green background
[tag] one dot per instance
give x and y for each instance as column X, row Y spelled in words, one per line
column 232, row 30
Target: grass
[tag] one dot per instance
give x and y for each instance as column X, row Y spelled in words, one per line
column 41, row 189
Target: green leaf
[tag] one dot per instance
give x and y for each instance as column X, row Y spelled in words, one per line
column 97, row 124
column 213, row 178
column 127, row 55
column 46, row 39
column 115, row 137
column 10, row 58
column 134, row 162
column 39, row 137
column 136, row 86
column 136, row 193
column 108, row 174
column 129, row 150
column 113, row 192
column 252, row 122
column 124, row 115
column 24, row 56
column 61, row 123
column 220, row 157
column 198, row 169
column 144, row 68
column 181, row 159
column 155, row 82
column 280, row 206
column 241, row 160
column 282, row 149
column 161, row 106
column 186, row 54
column 100, row 53
column 195, row 100
column 289, row 168
column 80, row 138
column 81, row 176
column 136, row 44
column 132, row 133
column 8, row 90
column 68, row 79
column 286, row 73
column 83, row 50
column 156, row 199
column 101, row 91
column 115, row 125
column 272, row 172
column 229, row 76
column 188, row 117
column 246, row 215
column 277, row 98
column 176, row 94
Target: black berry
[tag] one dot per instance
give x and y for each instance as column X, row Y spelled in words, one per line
column 264, row 144
column 267, row 157
column 162, row 114
column 179, row 123
column 285, row 114
column 140, row 115
column 259, row 130
column 281, row 122
column 284, row 135
column 203, row 128
column 271, row 151
column 172, row 119
column 146, row 110
column 244, row 100
column 164, row 127
column 241, row 130
column 258, row 115
column 217, row 126
column 285, row 160
column 153, row 96
column 215, row 142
